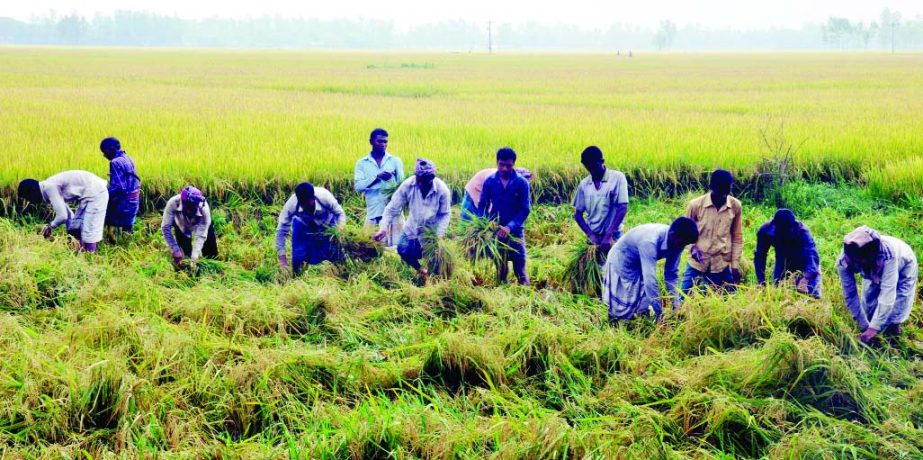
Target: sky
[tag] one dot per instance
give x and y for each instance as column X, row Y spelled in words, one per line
column 736, row 14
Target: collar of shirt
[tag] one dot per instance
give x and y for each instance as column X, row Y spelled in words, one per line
column 118, row 154
column 514, row 176
column 371, row 159
column 707, row 202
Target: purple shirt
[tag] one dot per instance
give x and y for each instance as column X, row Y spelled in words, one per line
column 123, row 178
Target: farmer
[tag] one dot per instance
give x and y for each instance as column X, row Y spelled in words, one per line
column 796, row 253
column 630, row 284
column 376, row 176
column 715, row 258
column 124, row 186
column 308, row 214
column 603, row 197
column 187, row 227
column 506, row 199
column 469, row 204
column 82, row 188
column 428, row 201
column 888, row 268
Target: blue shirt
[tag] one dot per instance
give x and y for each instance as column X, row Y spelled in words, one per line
column 123, row 178
column 794, row 254
column 367, row 169
column 509, row 205
column 635, row 255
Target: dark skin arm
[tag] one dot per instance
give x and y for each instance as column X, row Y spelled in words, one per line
column 581, row 222
column 606, row 241
column 620, row 211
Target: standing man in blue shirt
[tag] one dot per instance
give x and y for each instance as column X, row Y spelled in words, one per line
column 124, row 186
column 377, row 176
column 506, row 198
column 795, row 253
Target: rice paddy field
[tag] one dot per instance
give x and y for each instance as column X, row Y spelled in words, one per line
column 119, row 355
column 260, row 120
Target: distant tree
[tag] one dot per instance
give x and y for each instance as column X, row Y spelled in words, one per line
column 71, row 29
column 866, row 33
column 665, row 35
column 888, row 20
column 838, row 31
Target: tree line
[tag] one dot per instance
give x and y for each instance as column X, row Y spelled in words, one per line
column 145, row 29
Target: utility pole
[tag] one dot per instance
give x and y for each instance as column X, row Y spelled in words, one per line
column 490, row 38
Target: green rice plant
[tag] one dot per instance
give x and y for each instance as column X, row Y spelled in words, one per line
column 437, row 255
column 480, row 244
column 582, row 273
column 355, row 243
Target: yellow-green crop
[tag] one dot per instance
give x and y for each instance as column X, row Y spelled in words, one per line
column 255, row 119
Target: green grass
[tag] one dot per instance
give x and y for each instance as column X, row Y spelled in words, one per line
column 118, row 354
column 256, row 122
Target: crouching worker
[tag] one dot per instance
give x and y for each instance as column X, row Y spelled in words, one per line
column 82, row 188
column 796, row 253
column 888, row 268
column 428, row 200
column 124, row 186
column 187, row 227
column 630, row 286
column 308, row 214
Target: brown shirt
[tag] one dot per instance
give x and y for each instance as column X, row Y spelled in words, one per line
column 721, row 237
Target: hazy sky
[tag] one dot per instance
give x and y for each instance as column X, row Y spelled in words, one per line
column 742, row 14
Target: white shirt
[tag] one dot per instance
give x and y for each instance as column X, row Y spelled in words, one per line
column 600, row 204
column 430, row 211
column 69, row 187
column 196, row 226
column 327, row 212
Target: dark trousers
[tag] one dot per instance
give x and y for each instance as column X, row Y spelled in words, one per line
column 209, row 251
column 121, row 213
column 722, row 280
column 411, row 251
column 311, row 246
column 515, row 252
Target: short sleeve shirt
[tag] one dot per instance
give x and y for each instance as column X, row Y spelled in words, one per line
column 599, row 204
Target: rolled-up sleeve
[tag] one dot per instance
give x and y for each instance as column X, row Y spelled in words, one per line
column 887, row 295
column 850, row 293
